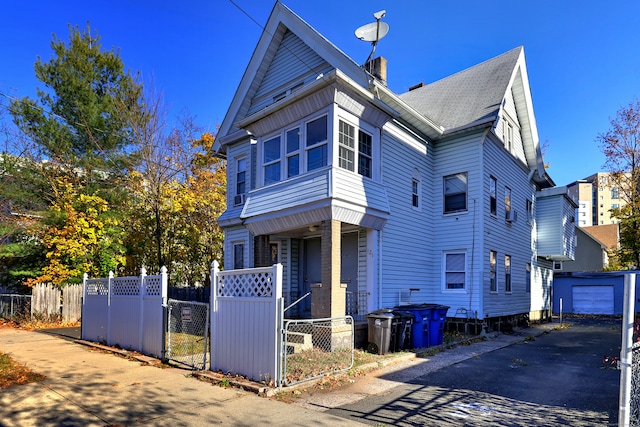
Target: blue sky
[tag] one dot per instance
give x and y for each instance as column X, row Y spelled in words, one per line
column 583, row 57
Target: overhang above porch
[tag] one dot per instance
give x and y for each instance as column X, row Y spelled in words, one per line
column 329, row 193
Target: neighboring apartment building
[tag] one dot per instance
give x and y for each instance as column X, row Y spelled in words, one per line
column 367, row 196
column 595, row 195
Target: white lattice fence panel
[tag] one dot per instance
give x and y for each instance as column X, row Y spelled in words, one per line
column 245, row 322
column 95, row 310
column 153, row 327
column 257, row 284
column 129, row 312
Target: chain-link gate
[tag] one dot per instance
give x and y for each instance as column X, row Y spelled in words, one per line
column 188, row 333
column 316, row 347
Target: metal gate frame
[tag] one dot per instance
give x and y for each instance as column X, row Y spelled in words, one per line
column 188, row 333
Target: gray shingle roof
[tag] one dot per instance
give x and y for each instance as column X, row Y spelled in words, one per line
column 466, row 97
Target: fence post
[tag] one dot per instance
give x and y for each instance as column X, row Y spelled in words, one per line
column 109, row 292
column 626, row 350
column 141, row 294
column 213, row 308
column 165, row 317
column 85, row 276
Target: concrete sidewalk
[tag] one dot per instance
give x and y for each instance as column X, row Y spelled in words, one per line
column 89, row 387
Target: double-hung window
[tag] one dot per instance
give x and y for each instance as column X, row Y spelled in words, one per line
column 527, row 278
column 316, row 145
column 493, row 285
column 355, row 149
column 295, row 150
column 507, row 202
column 507, row 274
column 241, row 180
column 455, row 193
column 272, row 160
column 493, row 198
column 238, row 256
column 454, row 270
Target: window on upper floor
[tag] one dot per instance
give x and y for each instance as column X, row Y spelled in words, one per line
column 416, row 189
column 355, row 148
column 507, row 202
column 529, row 210
column 316, row 145
column 282, row 153
column 241, row 181
column 493, row 283
column 454, row 270
column 292, row 147
column 493, row 197
column 615, row 193
column 507, row 133
column 455, row 193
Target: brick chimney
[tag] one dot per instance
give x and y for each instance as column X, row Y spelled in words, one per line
column 377, row 67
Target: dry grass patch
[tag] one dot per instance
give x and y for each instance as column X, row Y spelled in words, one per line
column 13, row 373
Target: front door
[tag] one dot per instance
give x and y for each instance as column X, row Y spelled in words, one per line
column 312, row 271
column 349, row 269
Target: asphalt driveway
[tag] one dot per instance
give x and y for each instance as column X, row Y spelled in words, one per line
column 556, row 379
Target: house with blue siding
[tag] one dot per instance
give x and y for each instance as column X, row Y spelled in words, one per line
column 371, row 199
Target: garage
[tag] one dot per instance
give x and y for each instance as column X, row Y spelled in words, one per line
column 593, row 299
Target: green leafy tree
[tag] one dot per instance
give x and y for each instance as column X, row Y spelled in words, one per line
column 621, row 147
column 71, row 157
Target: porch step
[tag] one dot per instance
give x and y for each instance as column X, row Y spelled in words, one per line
column 298, row 342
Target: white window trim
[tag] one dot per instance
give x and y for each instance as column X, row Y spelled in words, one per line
column 246, row 177
column 466, row 194
column 359, row 124
column 444, row 271
column 415, row 177
column 303, row 149
column 494, row 271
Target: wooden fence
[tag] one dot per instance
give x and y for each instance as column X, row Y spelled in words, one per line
column 53, row 303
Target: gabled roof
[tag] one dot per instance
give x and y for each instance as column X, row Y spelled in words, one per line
column 281, row 19
column 471, row 96
column 475, row 97
column 607, row 234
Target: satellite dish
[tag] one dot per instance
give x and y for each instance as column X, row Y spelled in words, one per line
column 372, row 32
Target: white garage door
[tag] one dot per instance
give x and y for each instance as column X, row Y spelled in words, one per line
column 593, row 299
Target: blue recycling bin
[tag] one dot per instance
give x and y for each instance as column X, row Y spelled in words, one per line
column 422, row 314
column 436, row 324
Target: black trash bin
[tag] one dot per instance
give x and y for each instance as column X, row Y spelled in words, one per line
column 381, row 334
column 436, row 324
column 404, row 324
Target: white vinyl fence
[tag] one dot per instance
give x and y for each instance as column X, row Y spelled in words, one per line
column 126, row 311
column 246, row 319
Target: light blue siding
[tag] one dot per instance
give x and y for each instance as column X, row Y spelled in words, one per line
column 514, row 239
column 294, row 63
column 460, row 231
column 556, row 228
column 407, row 236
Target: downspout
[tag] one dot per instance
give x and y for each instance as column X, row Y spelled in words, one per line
column 380, row 269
